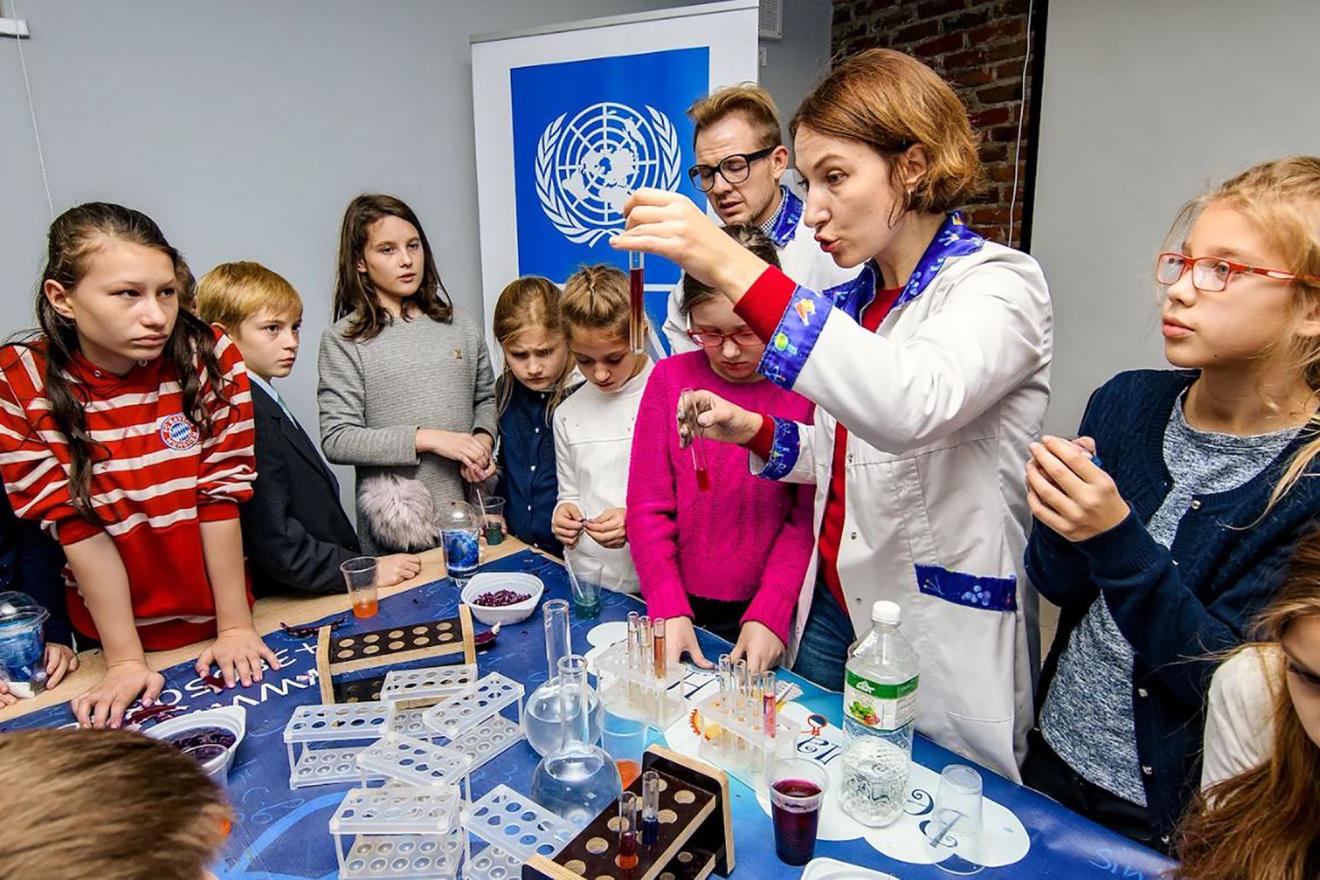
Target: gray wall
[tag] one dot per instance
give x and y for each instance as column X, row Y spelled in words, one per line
column 1145, row 104
column 244, row 128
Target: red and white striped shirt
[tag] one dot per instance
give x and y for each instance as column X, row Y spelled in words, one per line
column 155, row 479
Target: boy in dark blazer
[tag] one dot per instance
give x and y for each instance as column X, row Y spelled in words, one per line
column 295, row 533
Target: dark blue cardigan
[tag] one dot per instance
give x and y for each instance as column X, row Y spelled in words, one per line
column 1177, row 607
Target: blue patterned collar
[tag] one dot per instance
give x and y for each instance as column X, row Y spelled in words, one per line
column 781, row 227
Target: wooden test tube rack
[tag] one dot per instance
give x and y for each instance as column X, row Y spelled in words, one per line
column 695, row 835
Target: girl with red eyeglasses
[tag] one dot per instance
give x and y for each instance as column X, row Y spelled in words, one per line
column 683, row 521
column 1163, row 529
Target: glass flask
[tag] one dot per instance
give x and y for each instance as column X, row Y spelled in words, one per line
column 576, row 780
column 541, row 717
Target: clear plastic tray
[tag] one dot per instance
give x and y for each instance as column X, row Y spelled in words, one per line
column 427, row 810
column 487, row 740
column 416, row 856
column 461, row 713
column 324, row 767
column 413, row 761
column 517, row 824
column 336, row 722
column 493, row 863
column 411, row 688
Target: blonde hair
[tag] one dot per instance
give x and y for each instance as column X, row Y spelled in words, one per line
column 108, row 804
column 1282, row 199
column 1264, row 823
column 527, row 302
column 749, row 99
column 233, row 292
column 891, row 101
column 596, row 298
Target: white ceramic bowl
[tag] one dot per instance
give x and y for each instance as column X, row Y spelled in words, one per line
column 231, row 718
column 493, row 582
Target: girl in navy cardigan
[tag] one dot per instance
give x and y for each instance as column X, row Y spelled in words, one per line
column 1164, row 528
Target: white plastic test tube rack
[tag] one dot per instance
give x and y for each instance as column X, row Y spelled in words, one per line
column 400, row 832
column 461, row 713
column 517, row 825
column 645, row 694
column 395, row 756
column 413, row 688
column 742, row 747
column 482, row 742
column 492, row 863
column 340, row 723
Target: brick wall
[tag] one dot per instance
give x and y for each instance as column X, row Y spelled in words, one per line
column 979, row 46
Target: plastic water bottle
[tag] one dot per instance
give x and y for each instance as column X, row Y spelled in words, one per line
column 879, row 710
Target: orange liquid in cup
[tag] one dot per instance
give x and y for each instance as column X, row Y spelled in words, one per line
column 628, row 771
column 365, row 606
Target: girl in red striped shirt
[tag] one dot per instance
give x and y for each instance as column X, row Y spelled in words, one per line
column 126, row 430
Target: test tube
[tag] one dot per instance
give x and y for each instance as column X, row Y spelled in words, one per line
column 627, row 858
column 634, row 629
column 741, row 683
column 769, row 703
column 650, row 808
column 658, row 637
column 648, row 647
column 741, row 688
column 636, row 303
column 698, row 448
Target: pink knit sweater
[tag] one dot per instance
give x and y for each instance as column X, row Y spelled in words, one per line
column 746, row 538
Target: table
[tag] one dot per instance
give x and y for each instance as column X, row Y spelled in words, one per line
column 282, row 833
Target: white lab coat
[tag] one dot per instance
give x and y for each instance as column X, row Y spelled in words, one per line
column 800, row 258
column 941, row 403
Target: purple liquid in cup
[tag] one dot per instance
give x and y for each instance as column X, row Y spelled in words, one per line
column 795, row 811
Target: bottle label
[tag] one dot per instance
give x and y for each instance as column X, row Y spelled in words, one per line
column 881, row 707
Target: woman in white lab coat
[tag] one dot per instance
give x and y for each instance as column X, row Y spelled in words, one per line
column 930, row 373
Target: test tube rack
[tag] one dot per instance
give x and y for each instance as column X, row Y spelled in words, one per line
column 422, row 688
column 695, row 835
column 353, row 652
column 335, row 723
column 400, row 832
column 656, row 698
column 738, row 741
column 412, row 761
column 487, row 697
column 517, row 825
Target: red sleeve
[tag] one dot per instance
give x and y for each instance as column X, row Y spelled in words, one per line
column 228, row 464
column 764, row 439
column 764, row 303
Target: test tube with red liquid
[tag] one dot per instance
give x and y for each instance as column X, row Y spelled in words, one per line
column 688, row 396
column 658, row 639
column 769, row 703
column 627, row 857
column 636, row 303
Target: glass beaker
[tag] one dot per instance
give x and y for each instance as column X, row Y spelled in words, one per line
column 576, row 780
column 541, row 718
column 460, row 526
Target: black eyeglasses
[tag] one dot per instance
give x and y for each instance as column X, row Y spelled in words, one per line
column 733, row 168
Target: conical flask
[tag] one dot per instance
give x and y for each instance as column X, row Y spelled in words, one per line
column 541, row 719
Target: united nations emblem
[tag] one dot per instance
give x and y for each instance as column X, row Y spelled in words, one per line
column 587, row 166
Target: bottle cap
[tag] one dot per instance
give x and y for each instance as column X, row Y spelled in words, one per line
column 887, row 612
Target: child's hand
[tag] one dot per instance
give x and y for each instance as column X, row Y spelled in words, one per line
column 106, row 702
column 716, row 419
column 396, row 568
column 609, row 529
column 466, row 449
column 567, row 524
column 60, row 661
column 680, row 639
column 237, row 653
column 758, row 643
column 1068, row 493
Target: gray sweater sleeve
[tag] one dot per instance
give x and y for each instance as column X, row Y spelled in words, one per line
column 341, row 397
column 484, row 416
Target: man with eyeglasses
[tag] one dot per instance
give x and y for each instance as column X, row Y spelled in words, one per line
column 740, row 159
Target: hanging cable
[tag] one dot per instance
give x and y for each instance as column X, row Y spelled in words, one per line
column 32, row 113
column 1022, row 111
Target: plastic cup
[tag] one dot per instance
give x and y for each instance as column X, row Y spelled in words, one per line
column 584, row 577
column 493, row 519
column 624, row 737
column 954, row 830
column 797, row 790
column 360, row 577
column 22, row 644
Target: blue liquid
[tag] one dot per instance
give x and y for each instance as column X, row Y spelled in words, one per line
column 462, row 552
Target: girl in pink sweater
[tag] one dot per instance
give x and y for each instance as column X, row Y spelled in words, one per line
column 730, row 559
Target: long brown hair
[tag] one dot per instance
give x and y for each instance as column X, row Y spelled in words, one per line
column 354, row 293
column 1282, row 199
column 74, row 237
column 890, row 101
column 1264, row 824
column 108, row 804
column 527, row 302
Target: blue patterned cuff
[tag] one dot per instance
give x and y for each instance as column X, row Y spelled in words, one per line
column 794, row 337
column 991, row 593
column 783, row 452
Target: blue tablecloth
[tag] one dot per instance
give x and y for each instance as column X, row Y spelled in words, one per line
column 282, row 833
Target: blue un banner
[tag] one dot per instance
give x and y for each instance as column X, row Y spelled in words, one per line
column 585, row 135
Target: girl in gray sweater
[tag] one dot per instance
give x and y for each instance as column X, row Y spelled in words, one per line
column 405, row 383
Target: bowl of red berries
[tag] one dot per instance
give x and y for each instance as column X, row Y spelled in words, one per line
column 210, row 737
column 503, row 596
